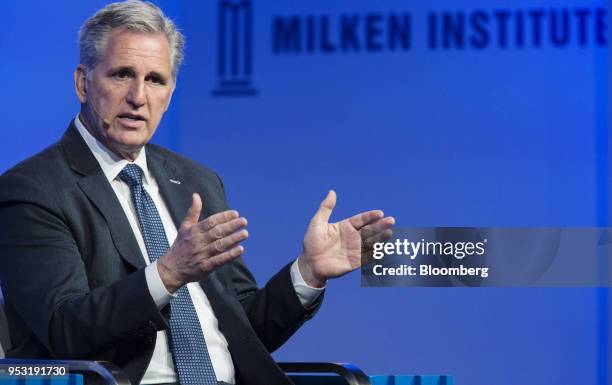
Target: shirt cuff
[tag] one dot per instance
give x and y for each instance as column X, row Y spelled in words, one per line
column 307, row 294
column 156, row 286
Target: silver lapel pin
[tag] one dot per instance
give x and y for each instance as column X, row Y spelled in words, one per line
column 175, row 181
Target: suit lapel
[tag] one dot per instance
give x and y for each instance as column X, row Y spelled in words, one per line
column 94, row 185
column 99, row 191
column 175, row 191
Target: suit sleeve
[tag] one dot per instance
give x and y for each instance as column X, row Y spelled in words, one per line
column 44, row 279
column 274, row 311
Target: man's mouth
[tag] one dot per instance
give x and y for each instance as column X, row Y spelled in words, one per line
column 134, row 117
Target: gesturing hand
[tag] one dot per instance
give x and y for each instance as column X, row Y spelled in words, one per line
column 201, row 247
column 334, row 249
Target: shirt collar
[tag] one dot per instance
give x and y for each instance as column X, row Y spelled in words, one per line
column 110, row 162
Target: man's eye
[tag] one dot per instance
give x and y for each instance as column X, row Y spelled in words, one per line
column 122, row 75
column 156, row 80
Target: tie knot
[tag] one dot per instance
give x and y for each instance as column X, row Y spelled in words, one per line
column 132, row 175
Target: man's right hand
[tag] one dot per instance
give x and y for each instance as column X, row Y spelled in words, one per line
column 201, row 247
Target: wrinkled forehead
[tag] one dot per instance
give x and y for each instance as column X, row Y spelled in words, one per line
column 137, row 49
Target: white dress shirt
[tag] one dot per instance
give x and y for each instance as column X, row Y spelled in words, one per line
column 161, row 368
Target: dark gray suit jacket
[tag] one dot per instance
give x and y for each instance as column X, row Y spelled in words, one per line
column 73, row 275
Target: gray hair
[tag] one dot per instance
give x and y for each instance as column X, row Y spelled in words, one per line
column 132, row 15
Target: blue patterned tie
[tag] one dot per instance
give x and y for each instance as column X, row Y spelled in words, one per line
column 187, row 341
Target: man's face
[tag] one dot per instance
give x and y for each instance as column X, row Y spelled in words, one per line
column 125, row 96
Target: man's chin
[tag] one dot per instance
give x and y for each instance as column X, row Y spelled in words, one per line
column 131, row 138
column 128, row 148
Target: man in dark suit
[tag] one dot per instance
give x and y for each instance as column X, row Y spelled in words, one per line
column 113, row 248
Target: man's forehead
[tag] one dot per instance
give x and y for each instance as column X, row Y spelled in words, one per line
column 128, row 46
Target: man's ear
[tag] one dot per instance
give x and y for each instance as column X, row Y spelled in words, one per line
column 80, row 83
column 170, row 98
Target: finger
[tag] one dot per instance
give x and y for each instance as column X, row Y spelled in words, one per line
column 326, row 208
column 209, row 264
column 217, row 219
column 224, row 229
column 362, row 219
column 385, row 235
column 381, row 236
column 193, row 214
column 379, row 225
column 225, row 243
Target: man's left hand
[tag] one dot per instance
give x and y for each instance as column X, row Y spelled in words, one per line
column 334, row 249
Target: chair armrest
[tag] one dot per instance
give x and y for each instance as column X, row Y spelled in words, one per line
column 110, row 373
column 348, row 372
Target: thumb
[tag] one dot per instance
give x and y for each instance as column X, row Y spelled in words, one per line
column 326, row 207
column 193, row 214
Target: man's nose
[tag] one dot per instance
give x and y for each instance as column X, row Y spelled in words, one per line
column 136, row 95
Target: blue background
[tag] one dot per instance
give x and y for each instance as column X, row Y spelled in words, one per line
column 492, row 137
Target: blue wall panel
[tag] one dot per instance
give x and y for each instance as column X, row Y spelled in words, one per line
column 459, row 136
